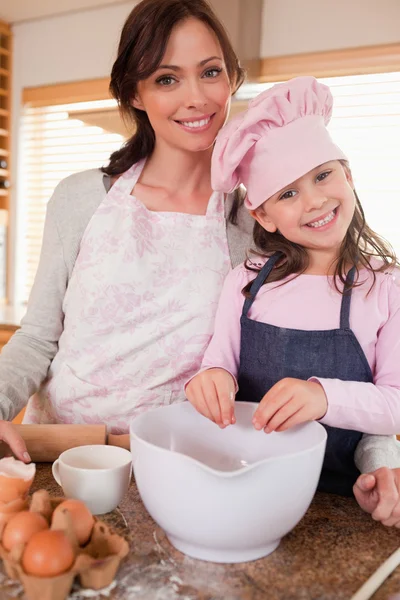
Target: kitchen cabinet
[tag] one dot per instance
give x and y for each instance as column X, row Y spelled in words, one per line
column 5, row 110
column 5, row 126
column 6, row 331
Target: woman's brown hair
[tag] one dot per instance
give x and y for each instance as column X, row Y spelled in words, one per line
column 143, row 42
column 360, row 245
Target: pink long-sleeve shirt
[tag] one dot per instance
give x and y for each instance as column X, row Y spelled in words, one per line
column 310, row 302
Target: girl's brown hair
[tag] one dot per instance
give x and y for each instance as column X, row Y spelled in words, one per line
column 360, row 245
column 143, row 42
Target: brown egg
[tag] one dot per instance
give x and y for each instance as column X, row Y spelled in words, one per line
column 15, row 478
column 82, row 518
column 21, row 527
column 47, row 554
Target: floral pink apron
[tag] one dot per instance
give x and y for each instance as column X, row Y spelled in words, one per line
column 139, row 311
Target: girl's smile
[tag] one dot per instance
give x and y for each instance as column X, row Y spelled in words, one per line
column 325, row 221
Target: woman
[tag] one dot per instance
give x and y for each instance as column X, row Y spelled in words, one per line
column 123, row 303
column 133, row 258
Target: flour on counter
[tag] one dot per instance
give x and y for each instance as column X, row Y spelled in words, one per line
column 13, row 589
column 161, row 550
column 123, row 517
column 150, row 576
column 154, row 576
column 78, row 592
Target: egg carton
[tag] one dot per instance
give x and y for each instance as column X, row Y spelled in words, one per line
column 95, row 565
column 9, row 509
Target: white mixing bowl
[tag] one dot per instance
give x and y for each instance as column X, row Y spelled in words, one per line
column 224, row 495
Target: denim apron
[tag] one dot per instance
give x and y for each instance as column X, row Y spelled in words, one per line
column 269, row 353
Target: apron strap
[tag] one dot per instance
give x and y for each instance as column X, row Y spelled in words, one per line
column 266, row 270
column 259, row 281
column 346, row 299
column 127, row 181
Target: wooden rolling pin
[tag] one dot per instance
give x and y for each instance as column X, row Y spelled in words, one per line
column 121, row 440
column 46, row 442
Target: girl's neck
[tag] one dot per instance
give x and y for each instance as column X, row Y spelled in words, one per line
column 177, row 171
column 321, row 262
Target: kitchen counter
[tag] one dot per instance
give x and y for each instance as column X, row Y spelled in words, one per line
column 330, row 553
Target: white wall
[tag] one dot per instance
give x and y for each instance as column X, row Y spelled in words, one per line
column 25, row 10
column 296, row 26
column 64, row 48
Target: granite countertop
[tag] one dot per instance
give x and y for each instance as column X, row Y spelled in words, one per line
column 330, row 553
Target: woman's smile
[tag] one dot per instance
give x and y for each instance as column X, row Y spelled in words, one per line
column 198, row 125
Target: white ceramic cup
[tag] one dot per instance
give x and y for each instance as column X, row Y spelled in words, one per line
column 98, row 475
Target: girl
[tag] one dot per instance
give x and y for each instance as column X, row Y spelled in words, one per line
column 309, row 328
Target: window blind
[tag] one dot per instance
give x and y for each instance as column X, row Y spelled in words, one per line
column 55, row 144
column 365, row 124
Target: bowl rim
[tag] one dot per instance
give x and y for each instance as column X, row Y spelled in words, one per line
column 218, row 472
column 126, row 454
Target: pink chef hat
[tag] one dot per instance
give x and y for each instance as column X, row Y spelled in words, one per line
column 280, row 137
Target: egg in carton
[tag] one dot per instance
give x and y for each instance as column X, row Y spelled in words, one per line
column 18, row 506
column 9, row 509
column 15, row 481
column 45, row 587
column 42, row 587
column 95, row 563
column 99, row 558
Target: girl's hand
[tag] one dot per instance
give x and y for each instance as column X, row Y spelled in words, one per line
column 212, row 393
column 14, row 441
column 290, row 402
column 378, row 493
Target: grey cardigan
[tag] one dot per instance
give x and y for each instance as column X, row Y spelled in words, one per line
column 26, row 358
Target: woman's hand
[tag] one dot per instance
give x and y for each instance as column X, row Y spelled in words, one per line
column 10, row 436
column 378, row 493
column 212, row 393
column 290, row 402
